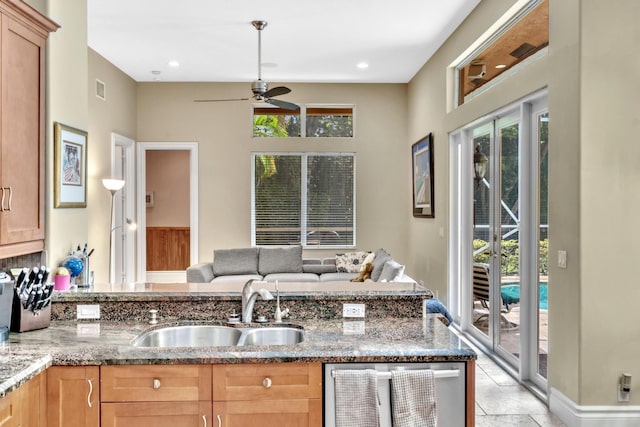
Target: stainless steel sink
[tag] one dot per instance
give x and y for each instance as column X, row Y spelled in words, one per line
column 272, row 336
column 189, row 336
column 218, row 336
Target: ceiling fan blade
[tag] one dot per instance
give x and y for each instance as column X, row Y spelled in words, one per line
column 276, row 91
column 220, row 100
column 282, row 104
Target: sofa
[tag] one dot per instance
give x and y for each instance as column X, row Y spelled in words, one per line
column 286, row 264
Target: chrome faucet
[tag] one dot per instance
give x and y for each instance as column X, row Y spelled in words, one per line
column 249, row 297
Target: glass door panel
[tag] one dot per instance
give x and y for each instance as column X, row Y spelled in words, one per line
column 508, row 244
column 543, row 244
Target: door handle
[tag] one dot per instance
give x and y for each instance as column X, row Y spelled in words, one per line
column 10, row 197
column 90, row 393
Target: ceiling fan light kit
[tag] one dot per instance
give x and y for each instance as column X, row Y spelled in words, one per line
column 259, row 87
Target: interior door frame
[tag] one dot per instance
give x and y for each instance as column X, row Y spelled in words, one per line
column 142, row 148
column 123, row 166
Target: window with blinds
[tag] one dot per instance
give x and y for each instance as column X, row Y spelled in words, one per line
column 304, row 198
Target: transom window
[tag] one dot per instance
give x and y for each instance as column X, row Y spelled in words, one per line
column 312, row 121
column 303, row 198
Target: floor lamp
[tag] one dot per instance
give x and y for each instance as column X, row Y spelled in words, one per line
column 113, row 185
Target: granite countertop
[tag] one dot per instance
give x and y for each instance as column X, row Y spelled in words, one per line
column 72, row 343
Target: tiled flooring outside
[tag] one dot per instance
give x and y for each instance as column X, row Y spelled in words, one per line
column 501, row 401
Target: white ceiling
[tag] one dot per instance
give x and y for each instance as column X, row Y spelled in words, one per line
column 305, row 41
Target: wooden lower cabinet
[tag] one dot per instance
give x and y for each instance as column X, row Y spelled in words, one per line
column 155, row 414
column 268, row 395
column 73, row 396
column 25, row 406
column 156, row 395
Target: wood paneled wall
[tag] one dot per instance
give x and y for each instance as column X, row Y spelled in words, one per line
column 168, row 248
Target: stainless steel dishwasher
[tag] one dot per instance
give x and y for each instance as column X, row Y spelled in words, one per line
column 450, row 390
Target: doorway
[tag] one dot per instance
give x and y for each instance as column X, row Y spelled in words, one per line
column 167, row 181
column 499, row 235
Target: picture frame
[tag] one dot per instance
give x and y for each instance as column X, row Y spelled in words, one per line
column 70, row 167
column 422, row 172
column 148, row 198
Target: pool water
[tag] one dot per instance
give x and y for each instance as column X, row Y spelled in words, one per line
column 511, row 293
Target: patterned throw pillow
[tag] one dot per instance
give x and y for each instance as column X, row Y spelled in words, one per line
column 350, row 262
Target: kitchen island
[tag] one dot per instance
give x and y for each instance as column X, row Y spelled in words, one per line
column 107, row 342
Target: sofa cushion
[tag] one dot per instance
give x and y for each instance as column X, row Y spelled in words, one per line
column 292, row 277
column 380, row 259
column 391, row 272
column 235, row 261
column 350, row 262
column 280, row 260
column 236, row 278
column 318, row 269
column 337, row 277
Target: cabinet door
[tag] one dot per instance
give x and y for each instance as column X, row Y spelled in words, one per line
column 33, row 402
column 156, row 414
column 73, row 396
column 269, row 413
column 10, row 410
column 22, row 155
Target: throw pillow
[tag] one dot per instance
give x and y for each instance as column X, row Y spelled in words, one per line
column 378, row 264
column 318, row 269
column 350, row 262
column 391, row 272
column 235, row 261
column 280, row 260
column 368, row 260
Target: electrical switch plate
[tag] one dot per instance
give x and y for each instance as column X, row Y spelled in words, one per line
column 562, row 259
column 88, row 311
column 353, row 310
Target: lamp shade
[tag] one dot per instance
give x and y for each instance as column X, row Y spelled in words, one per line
column 113, row 184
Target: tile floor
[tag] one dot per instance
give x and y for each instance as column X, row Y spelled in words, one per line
column 501, row 401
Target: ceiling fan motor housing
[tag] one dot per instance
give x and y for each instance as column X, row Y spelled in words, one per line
column 259, row 87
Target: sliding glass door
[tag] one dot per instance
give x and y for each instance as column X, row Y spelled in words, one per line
column 499, row 235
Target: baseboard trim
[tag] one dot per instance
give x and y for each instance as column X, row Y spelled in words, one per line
column 592, row 416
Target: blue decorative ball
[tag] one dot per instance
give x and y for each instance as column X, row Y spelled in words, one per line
column 74, row 264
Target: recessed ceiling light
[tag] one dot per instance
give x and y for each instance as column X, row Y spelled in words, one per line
column 363, row 65
column 174, row 64
column 501, row 66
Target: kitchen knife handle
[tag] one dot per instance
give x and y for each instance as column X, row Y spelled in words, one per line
column 90, row 393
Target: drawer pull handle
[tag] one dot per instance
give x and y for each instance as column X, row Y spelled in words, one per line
column 90, row 393
column 156, row 383
column 267, row 382
column 219, row 421
column 204, row 419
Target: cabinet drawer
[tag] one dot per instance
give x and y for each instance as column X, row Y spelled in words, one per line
column 155, row 383
column 174, row 414
column 267, row 381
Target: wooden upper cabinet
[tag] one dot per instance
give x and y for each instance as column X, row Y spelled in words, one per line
column 23, row 33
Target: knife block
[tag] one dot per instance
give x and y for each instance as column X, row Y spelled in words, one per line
column 23, row 320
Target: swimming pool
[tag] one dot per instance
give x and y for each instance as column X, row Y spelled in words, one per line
column 511, row 294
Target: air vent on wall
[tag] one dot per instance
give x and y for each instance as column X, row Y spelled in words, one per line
column 101, row 90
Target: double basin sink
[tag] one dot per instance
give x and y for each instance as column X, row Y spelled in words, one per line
column 219, row 336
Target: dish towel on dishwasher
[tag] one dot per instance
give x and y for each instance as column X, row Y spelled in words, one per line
column 413, row 398
column 357, row 398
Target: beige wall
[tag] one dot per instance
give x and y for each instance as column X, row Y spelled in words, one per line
column 168, row 178
column 593, row 173
column 67, row 104
column 116, row 114
column 166, row 112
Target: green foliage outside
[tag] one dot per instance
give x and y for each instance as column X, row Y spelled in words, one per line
column 510, row 256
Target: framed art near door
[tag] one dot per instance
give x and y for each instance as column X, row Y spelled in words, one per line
column 70, row 167
column 422, row 170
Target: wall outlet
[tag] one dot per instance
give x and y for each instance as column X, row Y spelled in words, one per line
column 88, row 311
column 562, row 259
column 353, row 310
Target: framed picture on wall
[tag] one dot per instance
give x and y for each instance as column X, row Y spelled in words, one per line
column 70, row 167
column 422, row 170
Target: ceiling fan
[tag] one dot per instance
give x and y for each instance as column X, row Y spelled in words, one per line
column 260, row 88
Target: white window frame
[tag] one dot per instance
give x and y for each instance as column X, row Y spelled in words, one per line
column 303, row 120
column 303, row 196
